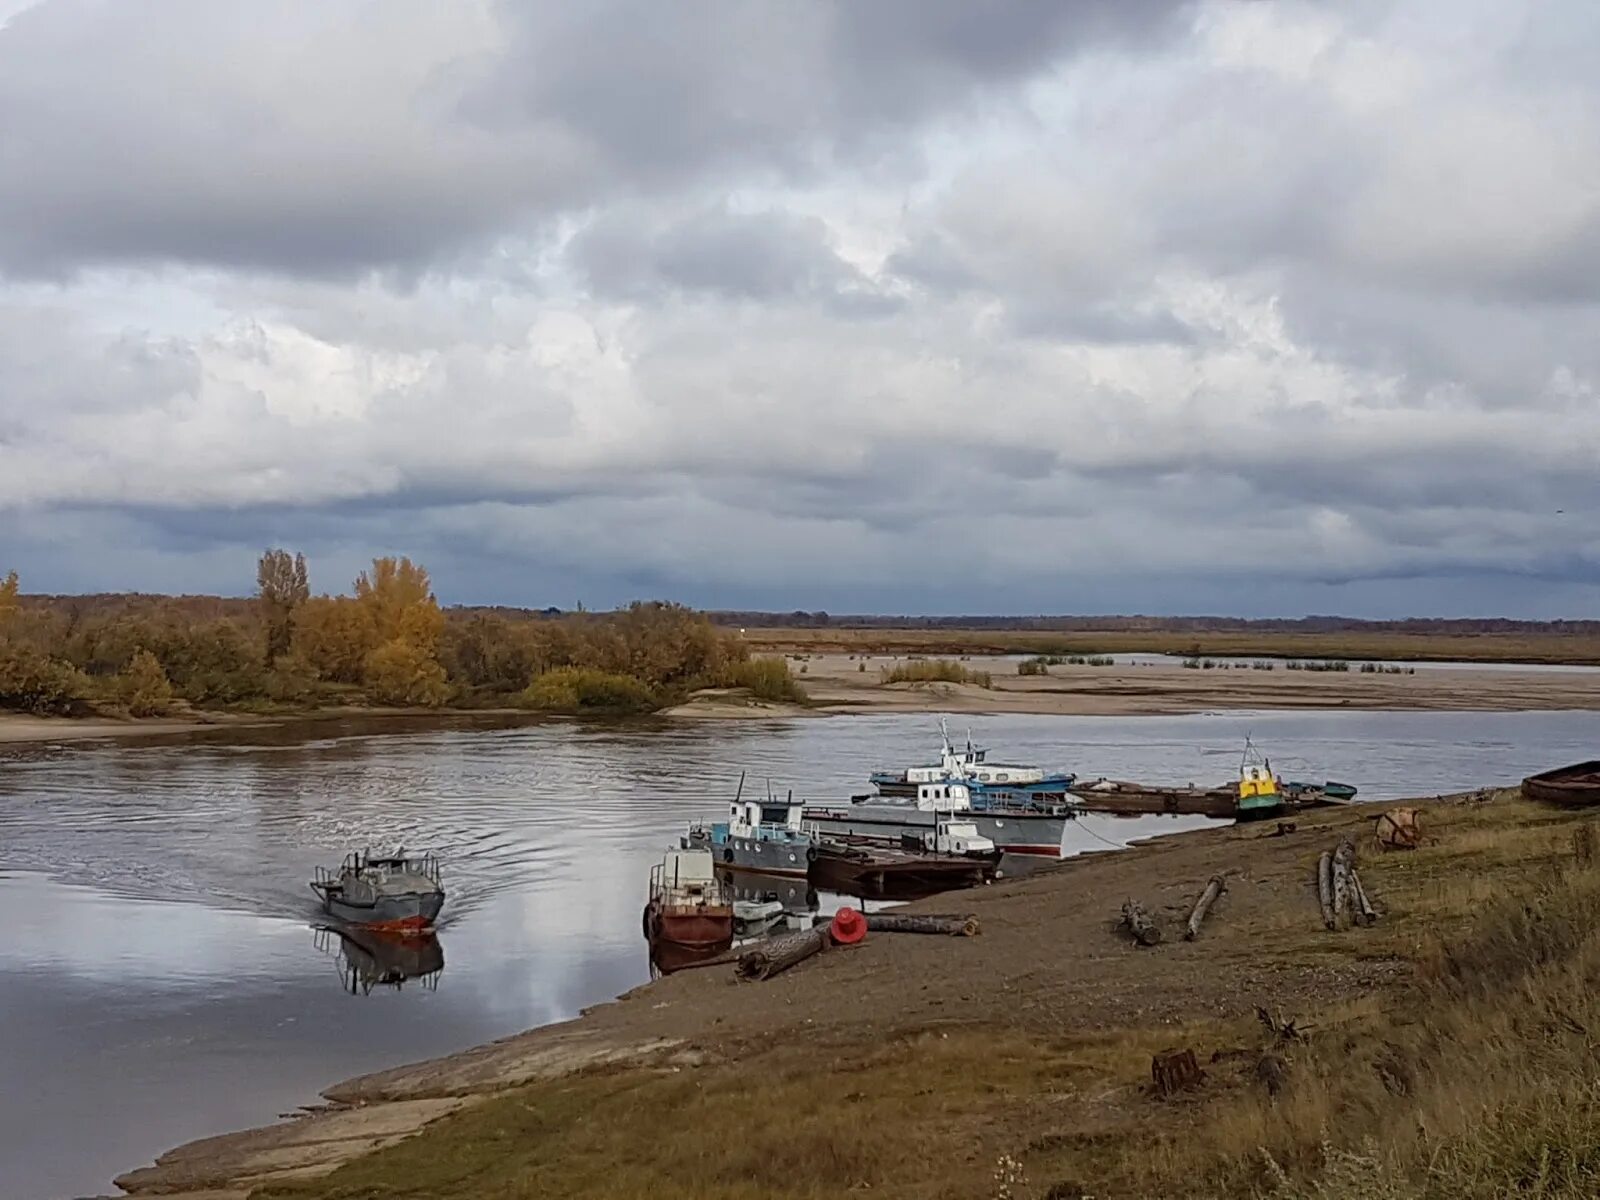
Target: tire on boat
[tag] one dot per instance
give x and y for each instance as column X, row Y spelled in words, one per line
column 811, row 854
column 727, row 855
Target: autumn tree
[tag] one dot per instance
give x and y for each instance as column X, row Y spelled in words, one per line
column 404, row 667
column 281, row 588
column 334, row 635
column 145, row 688
column 399, row 596
column 8, row 597
column 400, row 672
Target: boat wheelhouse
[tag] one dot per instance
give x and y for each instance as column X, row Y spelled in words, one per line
column 749, row 841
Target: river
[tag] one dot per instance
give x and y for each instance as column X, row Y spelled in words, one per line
column 161, row 978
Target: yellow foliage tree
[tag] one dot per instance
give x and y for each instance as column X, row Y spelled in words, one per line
column 399, row 597
column 404, row 668
column 144, row 685
column 334, row 635
column 401, row 672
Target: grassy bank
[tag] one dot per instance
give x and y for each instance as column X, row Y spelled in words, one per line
column 1353, row 646
column 1448, row 1051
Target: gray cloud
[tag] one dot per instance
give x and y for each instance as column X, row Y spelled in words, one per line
column 1223, row 306
column 335, row 137
column 770, row 256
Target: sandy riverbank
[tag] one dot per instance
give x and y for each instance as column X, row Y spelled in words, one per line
column 19, row 727
column 1046, row 1022
column 840, row 683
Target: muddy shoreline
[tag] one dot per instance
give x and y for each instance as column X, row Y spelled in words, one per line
column 1046, row 959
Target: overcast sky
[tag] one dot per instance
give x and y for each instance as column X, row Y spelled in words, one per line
column 907, row 305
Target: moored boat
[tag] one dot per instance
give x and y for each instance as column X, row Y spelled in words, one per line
column 1575, row 786
column 747, row 841
column 952, row 854
column 688, row 906
column 1256, row 793
column 1012, row 830
column 1258, row 786
column 400, row 893
column 991, row 784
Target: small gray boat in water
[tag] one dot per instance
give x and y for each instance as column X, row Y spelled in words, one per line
column 395, row 892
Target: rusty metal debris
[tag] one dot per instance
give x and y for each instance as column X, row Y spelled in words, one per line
column 1399, row 829
column 1175, row 1071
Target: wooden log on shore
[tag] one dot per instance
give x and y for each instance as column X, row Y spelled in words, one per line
column 1364, row 910
column 1137, row 922
column 908, row 923
column 1325, row 890
column 1203, row 905
column 780, row 953
column 1343, row 865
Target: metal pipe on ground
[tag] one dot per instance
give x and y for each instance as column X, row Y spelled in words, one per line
column 908, row 923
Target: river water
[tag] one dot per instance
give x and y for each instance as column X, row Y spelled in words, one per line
column 161, row 977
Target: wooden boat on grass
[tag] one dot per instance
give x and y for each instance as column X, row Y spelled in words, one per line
column 396, row 892
column 1577, row 786
column 689, row 906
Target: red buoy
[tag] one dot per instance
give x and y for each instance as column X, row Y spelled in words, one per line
column 848, row 927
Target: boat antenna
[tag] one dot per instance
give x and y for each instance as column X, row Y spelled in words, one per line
column 739, row 791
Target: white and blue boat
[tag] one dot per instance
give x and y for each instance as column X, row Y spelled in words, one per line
column 752, row 840
column 991, row 785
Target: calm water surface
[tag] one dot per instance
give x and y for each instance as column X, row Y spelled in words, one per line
column 161, row 979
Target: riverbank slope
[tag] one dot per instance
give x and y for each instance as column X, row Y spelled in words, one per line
column 911, row 1066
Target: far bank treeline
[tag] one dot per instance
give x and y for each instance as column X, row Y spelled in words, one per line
column 388, row 643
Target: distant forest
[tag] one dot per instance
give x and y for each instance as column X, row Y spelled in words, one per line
column 800, row 619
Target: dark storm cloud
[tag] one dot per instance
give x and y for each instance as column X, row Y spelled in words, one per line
column 344, row 135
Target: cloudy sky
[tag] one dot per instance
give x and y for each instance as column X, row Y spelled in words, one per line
column 910, row 305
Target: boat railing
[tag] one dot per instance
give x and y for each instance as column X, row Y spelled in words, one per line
column 357, row 861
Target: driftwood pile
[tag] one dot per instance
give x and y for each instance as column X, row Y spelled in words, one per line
column 1339, row 889
column 1141, row 926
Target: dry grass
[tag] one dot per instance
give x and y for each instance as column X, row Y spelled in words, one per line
column 1352, row 646
column 938, row 670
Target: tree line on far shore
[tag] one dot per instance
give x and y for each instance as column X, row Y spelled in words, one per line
column 387, row 643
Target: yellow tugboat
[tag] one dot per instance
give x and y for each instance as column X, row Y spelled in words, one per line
column 1258, row 787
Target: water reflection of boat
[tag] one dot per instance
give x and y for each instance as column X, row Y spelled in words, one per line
column 369, row 958
column 667, row 957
